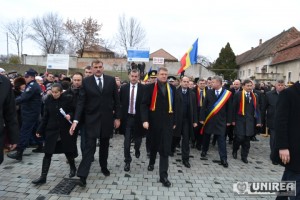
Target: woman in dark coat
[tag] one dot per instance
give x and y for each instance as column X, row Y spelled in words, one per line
column 55, row 128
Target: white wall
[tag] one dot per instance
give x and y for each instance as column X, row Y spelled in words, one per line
column 254, row 67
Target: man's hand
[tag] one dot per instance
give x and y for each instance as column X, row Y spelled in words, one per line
column 12, row 146
column 284, row 155
column 68, row 117
column 258, row 125
column 146, row 125
column 117, row 123
column 201, row 122
column 174, row 126
column 38, row 135
column 195, row 125
column 233, row 123
column 73, row 127
column 228, row 124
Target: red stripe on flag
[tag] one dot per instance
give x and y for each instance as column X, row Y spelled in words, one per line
column 183, row 63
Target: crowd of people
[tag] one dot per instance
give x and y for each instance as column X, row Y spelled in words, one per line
column 51, row 111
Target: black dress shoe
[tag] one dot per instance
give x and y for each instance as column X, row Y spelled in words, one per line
column 82, row 181
column 234, row 154
column 186, row 164
column 274, row 163
column 198, row 147
column 224, row 163
column 127, row 167
column 150, row 167
column 148, row 154
column 137, row 154
column 15, row 155
column 254, row 139
column 39, row 149
column 165, row 182
column 230, row 142
column 203, row 154
column 245, row 160
column 105, row 171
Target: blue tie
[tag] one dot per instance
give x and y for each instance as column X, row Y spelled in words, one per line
column 217, row 93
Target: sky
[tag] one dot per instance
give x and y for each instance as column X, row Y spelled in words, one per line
column 171, row 25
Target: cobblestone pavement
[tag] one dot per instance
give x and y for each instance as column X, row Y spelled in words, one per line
column 206, row 179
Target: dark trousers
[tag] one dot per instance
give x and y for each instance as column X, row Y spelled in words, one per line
column 26, row 132
column 221, row 145
column 244, row 141
column 185, row 144
column 198, row 137
column 82, row 138
column 229, row 132
column 289, row 175
column 88, row 155
column 148, row 142
column 272, row 141
column 175, row 142
column 127, row 140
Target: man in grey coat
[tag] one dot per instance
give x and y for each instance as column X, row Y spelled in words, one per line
column 245, row 112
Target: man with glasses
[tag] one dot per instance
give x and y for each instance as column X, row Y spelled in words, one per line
column 31, row 101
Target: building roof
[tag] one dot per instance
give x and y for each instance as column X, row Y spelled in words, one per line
column 163, row 54
column 270, row 47
column 289, row 53
column 97, row 48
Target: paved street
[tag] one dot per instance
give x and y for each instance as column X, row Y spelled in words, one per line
column 206, row 179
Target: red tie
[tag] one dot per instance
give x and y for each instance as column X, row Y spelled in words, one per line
column 131, row 100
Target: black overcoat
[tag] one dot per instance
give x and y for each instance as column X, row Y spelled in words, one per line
column 55, row 128
column 270, row 107
column 160, row 119
column 245, row 125
column 8, row 115
column 179, row 112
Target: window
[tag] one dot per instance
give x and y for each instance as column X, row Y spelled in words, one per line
column 257, row 69
column 243, row 72
column 249, row 72
column 289, row 76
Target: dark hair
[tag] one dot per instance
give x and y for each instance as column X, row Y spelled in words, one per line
column 96, row 62
column 67, row 79
column 87, row 67
column 162, row 69
column 78, row 73
column 280, row 81
column 57, row 85
column 209, row 78
column 65, row 85
column 246, row 81
column 134, row 71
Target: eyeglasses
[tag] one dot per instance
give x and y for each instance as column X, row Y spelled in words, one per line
column 26, row 76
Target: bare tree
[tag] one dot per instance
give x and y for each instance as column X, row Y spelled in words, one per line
column 48, row 33
column 85, row 34
column 130, row 33
column 16, row 32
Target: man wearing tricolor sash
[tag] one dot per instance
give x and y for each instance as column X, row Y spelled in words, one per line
column 158, row 116
column 216, row 115
column 245, row 113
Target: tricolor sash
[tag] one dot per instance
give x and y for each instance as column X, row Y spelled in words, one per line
column 242, row 103
column 154, row 96
column 223, row 98
column 200, row 97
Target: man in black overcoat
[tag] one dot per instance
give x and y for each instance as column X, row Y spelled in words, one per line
column 158, row 115
column 131, row 96
column 8, row 114
column 218, row 123
column 287, row 135
column 245, row 123
column 186, row 114
column 99, row 99
column 270, row 109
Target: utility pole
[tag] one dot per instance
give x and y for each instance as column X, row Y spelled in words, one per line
column 7, row 44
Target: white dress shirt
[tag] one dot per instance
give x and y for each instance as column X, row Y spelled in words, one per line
column 97, row 80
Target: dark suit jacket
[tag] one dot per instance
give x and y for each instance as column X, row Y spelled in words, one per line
column 217, row 124
column 287, row 125
column 125, row 101
column 99, row 107
column 160, row 120
column 270, row 107
column 248, row 121
column 8, row 114
column 179, row 112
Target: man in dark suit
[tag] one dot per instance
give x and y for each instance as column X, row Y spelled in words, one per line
column 186, row 114
column 99, row 99
column 158, row 115
column 246, row 114
column 287, row 137
column 8, row 115
column 270, row 109
column 131, row 125
column 235, row 89
column 219, row 120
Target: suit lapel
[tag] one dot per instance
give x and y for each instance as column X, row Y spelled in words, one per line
column 94, row 83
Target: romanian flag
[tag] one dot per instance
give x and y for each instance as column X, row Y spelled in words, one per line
column 147, row 75
column 189, row 58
